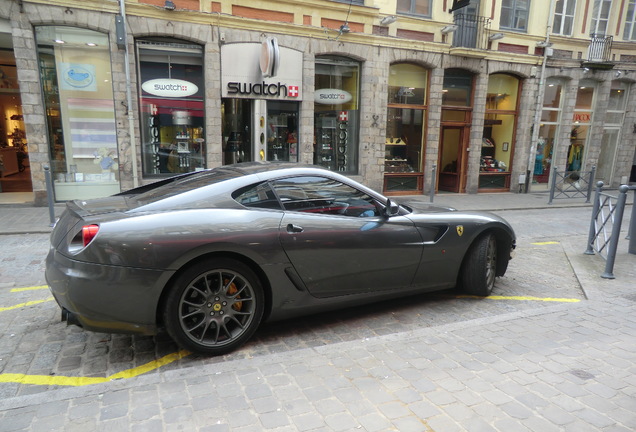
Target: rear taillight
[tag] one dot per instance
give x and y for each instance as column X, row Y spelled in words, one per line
column 88, row 233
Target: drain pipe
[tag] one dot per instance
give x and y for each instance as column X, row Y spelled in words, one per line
column 539, row 104
column 129, row 108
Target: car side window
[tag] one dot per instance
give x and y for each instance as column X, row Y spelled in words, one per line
column 258, row 195
column 324, row 196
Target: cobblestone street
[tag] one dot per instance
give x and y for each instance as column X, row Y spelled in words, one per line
column 552, row 349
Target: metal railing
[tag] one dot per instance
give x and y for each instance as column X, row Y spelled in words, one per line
column 600, row 48
column 571, row 184
column 472, row 31
column 605, row 226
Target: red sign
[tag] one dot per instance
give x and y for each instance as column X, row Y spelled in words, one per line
column 582, row 117
column 292, row 91
column 344, row 116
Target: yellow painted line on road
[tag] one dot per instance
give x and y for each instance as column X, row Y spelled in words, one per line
column 21, row 305
column 83, row 381
column 33, row 288
column 522, row 298
column 545, row 243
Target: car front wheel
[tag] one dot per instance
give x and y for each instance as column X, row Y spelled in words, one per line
column 480, row 266
column 214, row 306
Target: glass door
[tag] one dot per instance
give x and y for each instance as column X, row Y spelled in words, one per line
column 282, row 131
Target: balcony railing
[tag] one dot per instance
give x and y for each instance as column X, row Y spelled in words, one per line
column 599, row 49
column 472, row 31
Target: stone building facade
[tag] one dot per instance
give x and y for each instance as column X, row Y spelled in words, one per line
column 436, row 124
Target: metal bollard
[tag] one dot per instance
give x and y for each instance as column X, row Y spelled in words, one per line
column 595, row 210
column 590, row 181
column 632, row 226
column 433, row 183
column 553, row 184
column 49, row 194
column 616, row 233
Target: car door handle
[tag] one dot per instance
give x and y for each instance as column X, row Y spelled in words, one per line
column 291, row 228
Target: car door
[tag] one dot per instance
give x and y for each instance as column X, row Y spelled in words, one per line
column 338, row 242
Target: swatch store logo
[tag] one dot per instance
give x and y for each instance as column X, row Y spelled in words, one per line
column 264, row 70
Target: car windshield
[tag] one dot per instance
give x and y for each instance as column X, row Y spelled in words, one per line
column 194, row 181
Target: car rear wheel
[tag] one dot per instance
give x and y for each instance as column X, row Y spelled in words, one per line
column 214, row 306
column 480, row 266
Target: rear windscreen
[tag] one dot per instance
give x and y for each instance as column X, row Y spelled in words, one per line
column 188, row 183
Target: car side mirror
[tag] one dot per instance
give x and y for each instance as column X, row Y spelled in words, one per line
column 391, row 209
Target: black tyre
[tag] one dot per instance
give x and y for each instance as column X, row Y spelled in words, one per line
column 480, row 266
column 214, row 306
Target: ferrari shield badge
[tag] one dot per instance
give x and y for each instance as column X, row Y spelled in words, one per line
column 460, row 230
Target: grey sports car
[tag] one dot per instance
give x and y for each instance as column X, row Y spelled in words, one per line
column 210, row 255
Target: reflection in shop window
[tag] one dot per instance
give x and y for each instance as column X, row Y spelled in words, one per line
column 336, row 114
column 498, row 141
column 171, row 102
column 548, row 131
column 580, row 128
column 405, row 118
column 78, row 98
column 614, row 119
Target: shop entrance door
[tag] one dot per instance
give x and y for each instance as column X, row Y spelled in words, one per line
column 453, row 156
column 275, row 130
column 260, row 130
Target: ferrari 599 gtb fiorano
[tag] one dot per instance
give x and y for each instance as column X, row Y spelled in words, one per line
column 210, row 255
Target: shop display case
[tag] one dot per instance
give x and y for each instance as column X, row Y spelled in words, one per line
column 326, row 141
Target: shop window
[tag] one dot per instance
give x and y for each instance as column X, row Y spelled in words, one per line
column 171, row 103
column 499, row 132
column 580, row 129
column 548, row 131
column 406, row 113
column 78, row 99
column 337, row 114
column 457, row 91
column 614, row 119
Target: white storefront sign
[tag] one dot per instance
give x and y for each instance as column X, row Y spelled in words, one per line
column 166, row 87
column 332, row 96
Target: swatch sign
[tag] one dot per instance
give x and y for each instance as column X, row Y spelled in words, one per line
column 332, row 96
column 166, row 87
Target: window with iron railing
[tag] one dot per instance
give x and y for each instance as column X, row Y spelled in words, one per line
column 472, row 31
column 600, row 48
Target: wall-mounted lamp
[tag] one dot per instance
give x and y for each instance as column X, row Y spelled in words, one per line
column 496, row 36
column 449, row 29
column 543, row 44
column 618, row 74
column 586, row 70
column 169, row 5
column 388, row 20
column 344, row 28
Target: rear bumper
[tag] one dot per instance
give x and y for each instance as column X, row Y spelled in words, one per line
column 105, row 298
